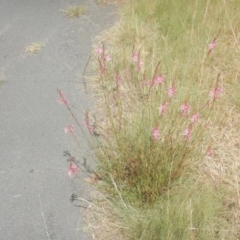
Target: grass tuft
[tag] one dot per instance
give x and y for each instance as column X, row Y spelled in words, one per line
column 1, row 80
column 34, row 48
column 102, row 2
column 183, row 213
column 75, row 11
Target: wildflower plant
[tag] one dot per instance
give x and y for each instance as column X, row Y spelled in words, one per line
column 74, row 165
column 152, row 125
column 165, row 79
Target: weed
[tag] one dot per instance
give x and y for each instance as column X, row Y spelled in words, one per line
column 102, row 2
column 1, row 81
column 75, row 11
column 34, row 48
column 149, row 145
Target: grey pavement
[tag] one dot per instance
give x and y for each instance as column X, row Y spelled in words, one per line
column 35, row 188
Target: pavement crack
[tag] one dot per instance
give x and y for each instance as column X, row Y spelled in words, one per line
column 43, row 217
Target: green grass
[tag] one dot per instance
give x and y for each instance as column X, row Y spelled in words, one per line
column 103, row 2
column 149, row 180
column 185, row 212
column 181, row 214
column 75, row 11
column 1, row 82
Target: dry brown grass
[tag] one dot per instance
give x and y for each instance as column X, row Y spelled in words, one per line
column 224, row 165
column 34, row 48
column 102, row 219
column 222, row 168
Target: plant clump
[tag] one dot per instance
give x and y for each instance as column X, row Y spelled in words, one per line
column 165, row 129
column 75, row 11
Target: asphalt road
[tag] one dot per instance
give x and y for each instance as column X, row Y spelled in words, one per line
column 35, row 188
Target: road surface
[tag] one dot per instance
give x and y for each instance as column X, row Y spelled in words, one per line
column 35, row 188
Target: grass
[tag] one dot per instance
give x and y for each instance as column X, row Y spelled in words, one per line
column 102, row 2
column 167, row 122
column 75, row 11
column 34, row 48
column 1, row 81
column 180, row 214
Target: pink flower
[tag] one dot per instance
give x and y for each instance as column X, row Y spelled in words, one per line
column 216, row 92
column 140, row 64
column 158, row 79
column 185, row 109
column 62, row 99
column 187, row 134
column 163, row 108
column 134, row 57
column 172, row 91
column 209, row 152
column 107, row 58
column 156, row 133
column 99, row 51
column 195, row 117
column 70, row 129
column 212, row 45
column 101, row 54
column 89, row 127
column 73, row 169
